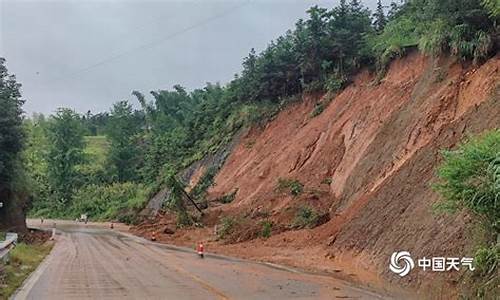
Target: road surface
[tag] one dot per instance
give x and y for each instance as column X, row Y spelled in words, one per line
column 97, row 263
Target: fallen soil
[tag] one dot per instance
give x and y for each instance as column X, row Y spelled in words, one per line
column 367, row 163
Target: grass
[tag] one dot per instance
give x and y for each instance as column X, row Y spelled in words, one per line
column 2, row 236
column 292, row 186
column 97, row 148
column 24, row 259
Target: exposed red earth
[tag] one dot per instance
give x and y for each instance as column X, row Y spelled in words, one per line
column 367, row 162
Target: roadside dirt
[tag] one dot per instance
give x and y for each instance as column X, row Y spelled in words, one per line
column 368, row 162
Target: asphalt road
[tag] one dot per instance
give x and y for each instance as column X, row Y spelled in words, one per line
column 97, row 263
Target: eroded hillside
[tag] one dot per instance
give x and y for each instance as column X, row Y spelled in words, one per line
column 366, row 164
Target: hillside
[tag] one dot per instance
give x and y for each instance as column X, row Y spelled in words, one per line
column 366, row 164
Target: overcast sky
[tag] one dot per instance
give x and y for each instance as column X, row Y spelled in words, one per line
column 88, row 54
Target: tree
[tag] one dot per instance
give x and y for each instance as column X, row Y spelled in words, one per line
column 12, row 137
column 379, row 17
column 66, row 145
column 11, row 128
column 122, row 130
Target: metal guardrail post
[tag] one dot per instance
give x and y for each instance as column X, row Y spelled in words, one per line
column 7, row 245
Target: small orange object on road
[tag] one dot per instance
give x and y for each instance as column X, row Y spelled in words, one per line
column 153, row 236
column 200, row 249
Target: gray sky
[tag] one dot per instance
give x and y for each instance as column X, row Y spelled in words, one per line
column 89, row 54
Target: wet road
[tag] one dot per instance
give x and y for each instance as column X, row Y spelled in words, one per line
column 97, row 263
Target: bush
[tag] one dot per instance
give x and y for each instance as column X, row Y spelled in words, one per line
column 226, row 227
column 266, row 229
column 318, row 109
column 470, row 178
column 205, row 182
column 293, row 186
column 107, row 202
column 335, row 83
column 228, row 198
column 306, row 217
column 487, row 260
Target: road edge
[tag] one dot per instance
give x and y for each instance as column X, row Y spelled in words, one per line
column 22, row 292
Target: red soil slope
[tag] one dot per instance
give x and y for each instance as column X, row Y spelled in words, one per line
column 368, row 160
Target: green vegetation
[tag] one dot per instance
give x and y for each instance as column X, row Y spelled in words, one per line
column 470, row 179
column 13, row 185
column 267, row 227
column 117, row 201
column 226, row 227
column 292, row 186
column 306, row 217
column 96, row 149
column 228, row 198
column 199, row 191
column 24, row 259
column 69, row 154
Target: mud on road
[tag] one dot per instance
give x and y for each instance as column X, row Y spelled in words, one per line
column 91, row 262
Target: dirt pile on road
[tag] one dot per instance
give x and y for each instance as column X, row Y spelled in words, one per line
column 362, row 170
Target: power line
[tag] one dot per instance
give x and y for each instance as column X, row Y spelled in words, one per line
column 150, row 44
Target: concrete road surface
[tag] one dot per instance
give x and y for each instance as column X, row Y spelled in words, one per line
column 89, row 262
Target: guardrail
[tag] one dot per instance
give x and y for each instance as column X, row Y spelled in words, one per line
column 7, row 245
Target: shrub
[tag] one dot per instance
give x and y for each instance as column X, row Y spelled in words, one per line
column 226, row 227
column 487, row 260
column 266, row 229
column 306, row 217
column 318, row 109
column 293, row 186
column 470, row 178
column 206, row 181
column 107, row 202
column 335, row 83
column 228, row 198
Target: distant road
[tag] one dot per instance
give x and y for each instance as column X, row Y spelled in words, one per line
column 90, row 262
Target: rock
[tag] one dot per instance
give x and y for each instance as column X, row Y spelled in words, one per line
column 168, row 230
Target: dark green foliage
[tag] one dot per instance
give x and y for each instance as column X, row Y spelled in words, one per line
column 176, row 199
column 123, row 129
column 306, row 217
column 327, row 42
column 267, row 227
column 464, row 28
column 318, row 109
column 65, row 154
column 108, row 202
column 292, row 186
column 379, row 18
column 12, row 136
